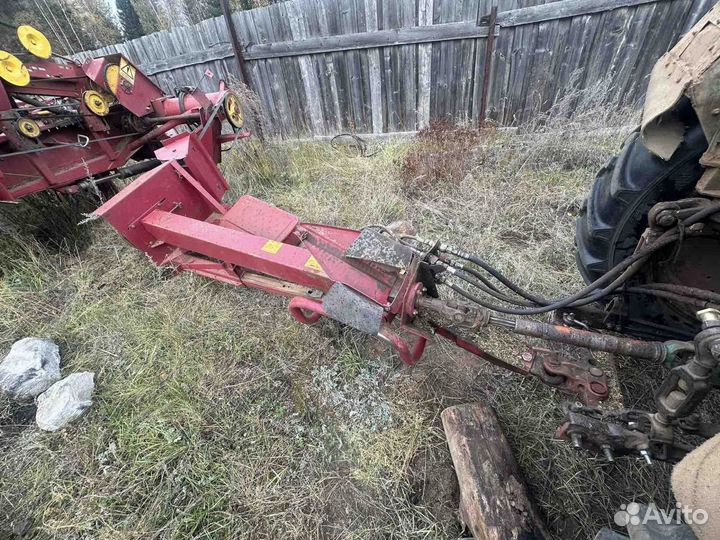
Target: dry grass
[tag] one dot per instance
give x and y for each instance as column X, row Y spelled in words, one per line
column 217, row 416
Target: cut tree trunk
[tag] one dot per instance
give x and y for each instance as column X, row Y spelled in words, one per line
column 494, row 501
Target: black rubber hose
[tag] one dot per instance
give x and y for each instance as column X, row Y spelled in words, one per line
column 477, row 275
column 701, row 214
column 540, row 301
column 494, row 293
column 619, row 274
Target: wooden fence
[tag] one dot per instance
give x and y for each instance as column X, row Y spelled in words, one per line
column 323, row 67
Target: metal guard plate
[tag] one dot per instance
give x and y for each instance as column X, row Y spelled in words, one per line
column 350, row 308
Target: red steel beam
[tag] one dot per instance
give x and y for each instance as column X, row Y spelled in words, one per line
column 283, row 261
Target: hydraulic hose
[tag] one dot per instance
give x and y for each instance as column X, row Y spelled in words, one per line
column 623, row 270
column 619, row 274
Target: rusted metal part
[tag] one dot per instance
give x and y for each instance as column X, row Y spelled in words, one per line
column 709, row 183
column 687, row 385
column 675, row 297
column 703, row 294
column 623, row 432
column 343, row 304
column 665, row 215
column 461, row 313
column 575, row 377
column 590, row 430
column 653, row 350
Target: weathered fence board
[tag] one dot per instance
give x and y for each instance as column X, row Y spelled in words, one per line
column 562, row 10
column 321, row 67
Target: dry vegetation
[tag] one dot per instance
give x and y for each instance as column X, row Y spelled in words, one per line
column 217, row 416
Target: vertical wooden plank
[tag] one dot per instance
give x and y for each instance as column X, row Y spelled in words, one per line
column 424, row 62
column 279, row 30
column 320, row 69
column 408, row 65
column 656, row 44
column 518, row 71
column 668, row 34
column 259, row 73
column 348, row 24
column 593, row 50
column 626, row 56
column 525, row 74
column 375, row 77
column 500, row 79
column 447, row 60
column 333, row 14
column 464, row 65
column 299, row 31
column 541, row 71
column 265, row 33
column 364, row 75
column 386, row 15
column 614, row 33
column 569, row 57
column 556, row 45
column 698, row 9
column 324, row 28
column 483, row 9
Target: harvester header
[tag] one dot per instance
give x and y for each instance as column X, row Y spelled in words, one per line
column 67, row 124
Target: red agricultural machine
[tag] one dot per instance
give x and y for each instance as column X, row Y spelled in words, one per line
column 66, row 125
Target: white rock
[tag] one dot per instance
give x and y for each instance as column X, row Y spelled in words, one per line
column 30, row 368
column 64, row 401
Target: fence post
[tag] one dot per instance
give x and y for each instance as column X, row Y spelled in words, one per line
column 487, row 68
column 235, row 42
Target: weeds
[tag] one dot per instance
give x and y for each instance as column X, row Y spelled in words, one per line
column 442, row 154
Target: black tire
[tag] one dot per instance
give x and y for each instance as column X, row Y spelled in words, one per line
column 615, row 213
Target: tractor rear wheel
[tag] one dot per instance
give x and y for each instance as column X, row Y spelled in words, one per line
column 615, row 215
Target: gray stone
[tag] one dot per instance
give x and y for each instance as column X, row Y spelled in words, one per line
column 30, row 368
column 64, row 401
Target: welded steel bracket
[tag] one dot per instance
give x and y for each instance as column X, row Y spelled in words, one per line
column 575, row 377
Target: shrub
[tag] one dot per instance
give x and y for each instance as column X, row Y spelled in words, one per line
column 441, row 155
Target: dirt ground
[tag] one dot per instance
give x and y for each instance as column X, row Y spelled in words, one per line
column 217, row 416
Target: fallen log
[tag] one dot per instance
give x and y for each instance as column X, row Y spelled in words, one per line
column 494, row 501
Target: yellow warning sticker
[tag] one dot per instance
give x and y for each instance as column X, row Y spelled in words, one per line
column 312, row 264
column 271, row 246
column 127, row 72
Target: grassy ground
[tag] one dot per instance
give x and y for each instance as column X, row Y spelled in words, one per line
column 217, row 416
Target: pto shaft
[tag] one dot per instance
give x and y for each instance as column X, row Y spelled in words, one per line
column 653, row 350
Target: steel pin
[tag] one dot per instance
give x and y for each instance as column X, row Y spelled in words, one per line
column 608, row 453
column 645, row 454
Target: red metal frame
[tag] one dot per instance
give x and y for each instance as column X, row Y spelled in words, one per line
column 174, row 212
column 133, row 128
